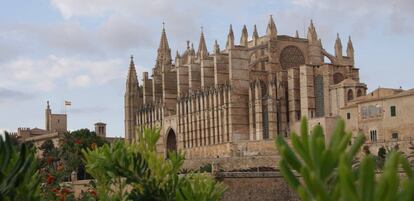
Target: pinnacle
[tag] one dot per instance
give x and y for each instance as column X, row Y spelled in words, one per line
column 230, row 38
column 164, row 52
column 202, row 47
column 132, row 60
column 244, row 36
column 231, row 30
column 132, row 74
column 271, row 28
column 255, row 34
column 312, row 36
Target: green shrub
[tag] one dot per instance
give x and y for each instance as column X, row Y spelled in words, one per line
column 18, row 175
column 326, row 168
column 135, row 171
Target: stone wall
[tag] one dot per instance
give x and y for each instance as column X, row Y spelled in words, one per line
column 256, row 186
column 234, row 163
column 241, row 186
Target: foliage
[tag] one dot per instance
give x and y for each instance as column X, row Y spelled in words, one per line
column 327, row 172
column 18, row 175
column 135, row 171
column 72, row 145
column 58, row 163
column 51, row 171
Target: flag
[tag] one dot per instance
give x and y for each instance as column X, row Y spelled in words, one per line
column 68, row 103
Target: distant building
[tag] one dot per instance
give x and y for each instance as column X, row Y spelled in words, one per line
column 384, row 116
column 54, row 124
column 100, row 129
column 55, row 127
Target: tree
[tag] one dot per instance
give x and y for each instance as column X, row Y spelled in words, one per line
column 327, row 173
column 135, row 171
column 58, row 162
column 53, row 175
column 71, row 148
column 18, row 172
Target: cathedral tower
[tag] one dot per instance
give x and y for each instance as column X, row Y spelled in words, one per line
column 131, row 101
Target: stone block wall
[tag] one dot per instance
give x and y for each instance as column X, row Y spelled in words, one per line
column 256, row 186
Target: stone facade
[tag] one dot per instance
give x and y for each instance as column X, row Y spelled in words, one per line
column 384, row 116
column 263, row 186
column 209, row 103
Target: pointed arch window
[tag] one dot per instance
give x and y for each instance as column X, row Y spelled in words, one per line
column 350, row 95
column 265, row 114
column 319, row 96
column 359, row 93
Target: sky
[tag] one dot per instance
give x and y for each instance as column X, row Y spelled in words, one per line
column 79, row 50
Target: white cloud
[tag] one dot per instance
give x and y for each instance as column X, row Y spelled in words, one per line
column 80, row 81
column 51, row 72
column 394, row 15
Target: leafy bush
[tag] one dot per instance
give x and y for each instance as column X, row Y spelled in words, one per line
column 18, row 174
column 135, row 171
column 326, row 169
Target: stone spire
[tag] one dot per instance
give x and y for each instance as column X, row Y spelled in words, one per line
column 350, row 49
column 202, row 47
column 230, row 39
column 271, row 30
column 164, row 51
column 312, row 36
column 216, row 47
column 131, row 101
column 338, row 46
column 297, row 34
column 177, row 58
column 192, row 54
column 177, row 54
column 192, row 51
column 132, row 80
column 255, row 36
column 244, row 37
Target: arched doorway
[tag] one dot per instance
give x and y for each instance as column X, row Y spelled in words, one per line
column 171, row 141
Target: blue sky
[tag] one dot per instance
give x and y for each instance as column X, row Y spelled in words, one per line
column 79, row 50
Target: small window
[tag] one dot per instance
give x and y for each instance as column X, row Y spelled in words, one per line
column 373, row 135
column 393, row 111
column 348, row 115
column 394, row 136
column 58, row 121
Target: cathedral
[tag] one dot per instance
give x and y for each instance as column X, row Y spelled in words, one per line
column 212, row 104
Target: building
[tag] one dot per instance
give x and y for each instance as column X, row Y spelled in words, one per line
column 100, row 129
column 55, row 127
column 384, row 116
column 233, row 101
column 55, row 124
